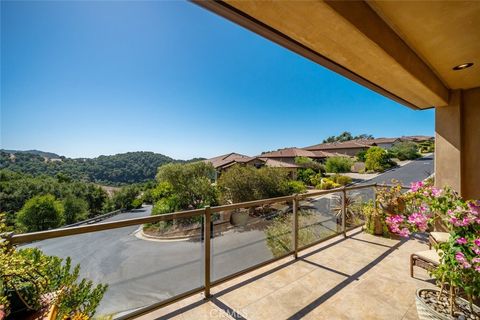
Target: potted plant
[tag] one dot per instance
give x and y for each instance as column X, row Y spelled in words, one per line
column 239, row 217
column 458, row 274
column 38, row 285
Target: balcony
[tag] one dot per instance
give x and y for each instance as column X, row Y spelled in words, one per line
column 287, row 258
column 357, row 277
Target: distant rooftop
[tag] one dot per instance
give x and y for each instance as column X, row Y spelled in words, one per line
column 229, row 158
column 291, row 153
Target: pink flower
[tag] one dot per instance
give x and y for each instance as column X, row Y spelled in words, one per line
column 476, row 250
column 404, row 233
column 436, row 192
column 419, row 220
column 476, row 260
column 474, row 207
column 460, row 257
column 462, row 241
column 477, row 268
column 466, row 221
column 466, row 265
column 454, row 221
column 416, row 185
column 477, row 242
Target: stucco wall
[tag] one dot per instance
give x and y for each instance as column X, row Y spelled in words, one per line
column 457, row 143
column 471, row 144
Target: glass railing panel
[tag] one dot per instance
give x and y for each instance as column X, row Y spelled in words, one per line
column 246, row 237
column 142, row 264
column 356, row 202
column 319, row 217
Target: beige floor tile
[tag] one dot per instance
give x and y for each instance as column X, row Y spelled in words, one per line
column 321, row 285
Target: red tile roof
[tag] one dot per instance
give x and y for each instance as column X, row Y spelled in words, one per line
column 351, row 144
column 226, row 159
column 290, row 153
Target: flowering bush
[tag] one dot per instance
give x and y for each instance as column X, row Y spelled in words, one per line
column 460, row 256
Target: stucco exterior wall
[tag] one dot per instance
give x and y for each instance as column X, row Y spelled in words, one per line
column 457, row 143
column 471, row 144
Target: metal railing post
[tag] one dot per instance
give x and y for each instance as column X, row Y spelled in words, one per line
column 207, row 243
column 295, row 227
column 344, row 211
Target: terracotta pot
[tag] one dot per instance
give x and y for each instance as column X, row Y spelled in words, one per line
column 378, row 226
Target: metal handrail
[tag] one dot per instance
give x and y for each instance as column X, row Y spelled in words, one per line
column 206, row 213
column 63, row 232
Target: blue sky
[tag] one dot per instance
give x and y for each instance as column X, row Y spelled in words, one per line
column 87, row 78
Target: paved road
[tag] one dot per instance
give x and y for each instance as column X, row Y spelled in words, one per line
column 142, row 272
column 416, row 170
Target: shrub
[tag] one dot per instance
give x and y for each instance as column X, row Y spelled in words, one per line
column 309, row 163
column 41, row 213
column 245, row 183
column 361, row 155
column 32, row 274
column 377, row 159
column 165, row 205
column 427, row 146
column 316, row 179
column 338, row 164
column 306, row 175
column 341, row 180
column 296, row 187
column 405, row 151
column 279, row 233
column 327, row 184
column 137, row 203
column 75, row 209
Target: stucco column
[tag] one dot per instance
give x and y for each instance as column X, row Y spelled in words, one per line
column 471, row 143
column 457, row 143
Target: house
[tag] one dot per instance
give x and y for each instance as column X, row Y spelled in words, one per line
column 226, row 161
column 385, row 143
column 221, row 163
column 350, row 148
column 288, row 155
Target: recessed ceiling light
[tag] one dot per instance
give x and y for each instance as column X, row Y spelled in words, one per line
column 463, row 66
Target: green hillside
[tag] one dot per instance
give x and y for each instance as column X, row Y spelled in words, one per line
column 119, row 169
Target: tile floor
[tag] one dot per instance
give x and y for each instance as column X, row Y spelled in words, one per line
column 358, row 277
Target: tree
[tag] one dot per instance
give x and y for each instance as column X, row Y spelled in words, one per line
column 338, row 164
column 405, row 151
column 377, row 159
column 124, row 198
column 95, row 197
column 246, row 183
column 346, row 136
column 41, row 213
column 75, row 209
column 363, row 136
column 190, row 183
